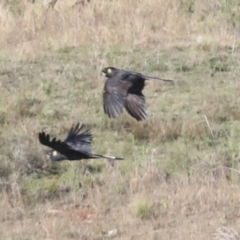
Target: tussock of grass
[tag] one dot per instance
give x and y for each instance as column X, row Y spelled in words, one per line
column 141, row 208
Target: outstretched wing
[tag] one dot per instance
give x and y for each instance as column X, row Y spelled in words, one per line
column 136, row 106
column 114, row 96
column 55, row 144
column 79, row 139
column 135, row 101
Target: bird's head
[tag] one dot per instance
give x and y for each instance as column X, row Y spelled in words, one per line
column 108, row 71
column 55, row 156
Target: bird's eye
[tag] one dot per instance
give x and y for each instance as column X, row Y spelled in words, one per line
column 109, row 71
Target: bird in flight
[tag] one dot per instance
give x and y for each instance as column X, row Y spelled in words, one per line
column 77, row 145
column 123, row 89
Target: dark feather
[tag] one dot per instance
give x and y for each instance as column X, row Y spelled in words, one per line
column 136, row 107
column 124, row 89
column 114, row 97
column 76, row 146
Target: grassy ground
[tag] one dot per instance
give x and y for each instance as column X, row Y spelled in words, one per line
column 180, row 176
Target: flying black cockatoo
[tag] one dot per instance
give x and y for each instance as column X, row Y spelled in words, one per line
column 123, row 89
column 76, row 146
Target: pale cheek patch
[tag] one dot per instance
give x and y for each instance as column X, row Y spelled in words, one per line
column 54, row 153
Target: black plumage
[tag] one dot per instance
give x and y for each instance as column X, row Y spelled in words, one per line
column 123, row 89
column 76, row 146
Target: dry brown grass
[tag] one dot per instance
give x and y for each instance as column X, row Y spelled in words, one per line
column 27, row 27
column 180, row 177
column 150, row 208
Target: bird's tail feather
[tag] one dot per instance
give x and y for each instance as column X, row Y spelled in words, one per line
column 157, row 78
column 107, row 157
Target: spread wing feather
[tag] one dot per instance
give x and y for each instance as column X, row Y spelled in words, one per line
column 114, row 96
column 74, row 143
column 79, row 139
column 136, row 106
column 57, row 145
